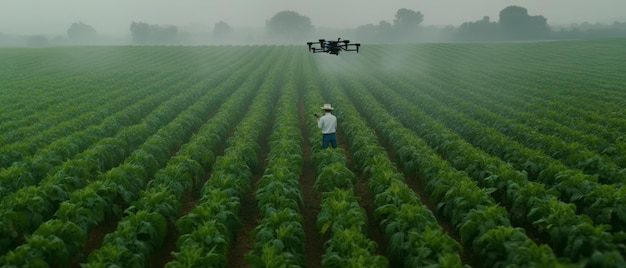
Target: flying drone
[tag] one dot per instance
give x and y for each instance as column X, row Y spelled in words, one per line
column 333, row 47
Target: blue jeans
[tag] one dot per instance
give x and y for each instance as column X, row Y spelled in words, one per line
column 329, row 138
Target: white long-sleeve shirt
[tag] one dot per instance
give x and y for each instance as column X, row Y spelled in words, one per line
column 328, row 123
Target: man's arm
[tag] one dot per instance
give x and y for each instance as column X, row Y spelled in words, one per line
column 319, row 122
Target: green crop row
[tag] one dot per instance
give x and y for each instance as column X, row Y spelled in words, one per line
column 50, row 102
column 17, row 142
column 143, row 229
column 279, row 238
column 32, row 170
column 574, row 137
column 208, row 230
column 603, row 203
column 341, row 218
column 519, row 148
column 570, row 235
column 28, row 207
column 482, row 224
column 36, row 100
column 596, row 83
column 164, row 193
column 467, row 93
column 162, row 198
column 415, row 238
column 574, row 154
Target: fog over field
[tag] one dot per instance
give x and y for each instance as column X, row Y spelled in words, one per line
column 113, row 17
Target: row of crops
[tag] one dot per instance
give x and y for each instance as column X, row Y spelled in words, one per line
column 487, row 155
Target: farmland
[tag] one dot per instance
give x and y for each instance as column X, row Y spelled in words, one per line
column 476, row 154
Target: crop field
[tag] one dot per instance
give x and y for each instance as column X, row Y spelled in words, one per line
column 450, row 155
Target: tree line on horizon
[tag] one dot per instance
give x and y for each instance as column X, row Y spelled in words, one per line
column 514, row 24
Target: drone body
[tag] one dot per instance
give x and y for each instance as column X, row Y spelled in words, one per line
column 333, row 47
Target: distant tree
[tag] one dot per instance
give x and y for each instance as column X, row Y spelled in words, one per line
column 482, row 30
column 384, row 30
column 514, row 18
column 37, row 41
column 222, row 30
column 375, row 33
column 538, row 26
column 166, row 34
column 515, row 23
column 144, row 33
column 141, row 32
column 79, row 31
column 366, row 33
column 406, row 25
column 407, row 19
column 289, row 25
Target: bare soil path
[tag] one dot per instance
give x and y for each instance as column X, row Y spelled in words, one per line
column 313, row 241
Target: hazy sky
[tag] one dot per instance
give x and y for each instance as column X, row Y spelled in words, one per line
column 115, row 16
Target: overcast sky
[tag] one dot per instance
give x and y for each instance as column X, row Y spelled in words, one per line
column 114, row 16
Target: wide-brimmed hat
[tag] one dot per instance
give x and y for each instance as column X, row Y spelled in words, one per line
column 327, row 107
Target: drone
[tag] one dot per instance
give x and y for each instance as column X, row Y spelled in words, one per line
column 333, row 47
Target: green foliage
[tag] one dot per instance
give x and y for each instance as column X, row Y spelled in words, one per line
column 160, row 200
column 508, row 246
column 340, row 210
column 206, row 246
column 462, row 197
column 273, row 254
column 350, row 248
column 510, row 132
column 397, row 194
column 277, row 195
column 136, row 237
column 323, row 158
column 481, row 220
column 41, row 251
column 280, row 236
column 53, row 244
column 216, row 205
column 333, row 176
column 115, row 255
column 71, row 234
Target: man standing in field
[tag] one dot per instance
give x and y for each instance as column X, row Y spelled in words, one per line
column 328, row 124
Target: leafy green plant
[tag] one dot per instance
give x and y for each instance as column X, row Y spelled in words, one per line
column 397, row 193
column 115, row 255
column 273, row 254
column 350, row 248
column 277, row 195
column 480, row 220
column 340, row 210
column 282, row 231
column 39, row 251
column 136, row 237
column 461, row 198
column 504, row 246
column 323, row 158
column 157, row 200
column 206, row 246
column 332, row 176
